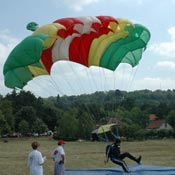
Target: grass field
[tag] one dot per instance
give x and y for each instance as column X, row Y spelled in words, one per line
column 79, row 155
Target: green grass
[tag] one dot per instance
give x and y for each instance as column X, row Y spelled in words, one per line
column 81, row 155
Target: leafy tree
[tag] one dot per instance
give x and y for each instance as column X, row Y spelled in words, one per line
column 130, row 131
column 161, row 110
column 27, row 113
column 133, row 108
column 140, row 134
column 7, row 110
column 93, row 110
column 68, row 126
column 22, row 98
column 128, row 103
column 24, row 127
column 85, row 125
column 4, row 127
column 139, row 117
column 171, row 118
column 39, row 127
column 163, row 133
column 50, row 115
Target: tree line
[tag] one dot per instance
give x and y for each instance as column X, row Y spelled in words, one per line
column 74, row 117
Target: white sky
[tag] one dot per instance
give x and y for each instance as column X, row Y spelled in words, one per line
column 155, row 71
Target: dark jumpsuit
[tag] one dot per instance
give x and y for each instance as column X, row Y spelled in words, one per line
column 113, row 152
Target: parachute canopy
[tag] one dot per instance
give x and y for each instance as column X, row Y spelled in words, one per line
column 105, row 132
column 102, row 41
column 104, row 128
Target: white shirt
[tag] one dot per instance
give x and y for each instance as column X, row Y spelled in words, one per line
column 56, row 154
column 35, row 162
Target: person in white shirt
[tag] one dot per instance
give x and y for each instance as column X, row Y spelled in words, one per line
column 35, row 160
column 58, row 156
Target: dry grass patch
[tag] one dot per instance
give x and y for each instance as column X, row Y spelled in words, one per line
column 81, row 155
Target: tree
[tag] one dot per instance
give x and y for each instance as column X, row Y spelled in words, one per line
column 128, row 103
column 24, row 127
column 39, row 127
column 139, row 117
column 21, row 99
column 7, row 110
column 27, row 113
column 171, row 118
column 68, row 126
column 85, row 125
column 130, row 131
column 50, row 115
column 4, row 127
column 162, row 110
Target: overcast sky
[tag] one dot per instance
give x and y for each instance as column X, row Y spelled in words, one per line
column 155, row 71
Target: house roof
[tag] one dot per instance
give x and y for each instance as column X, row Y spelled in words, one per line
column 155, row 124
column 152, row 117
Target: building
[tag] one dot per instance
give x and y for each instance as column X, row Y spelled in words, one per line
column 158, row 124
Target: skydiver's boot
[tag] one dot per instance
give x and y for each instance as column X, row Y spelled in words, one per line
column 139, row 159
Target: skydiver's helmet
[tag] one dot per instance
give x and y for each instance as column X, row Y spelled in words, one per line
column 117, row 141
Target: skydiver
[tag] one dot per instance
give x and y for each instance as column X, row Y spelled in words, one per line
column 113, row 152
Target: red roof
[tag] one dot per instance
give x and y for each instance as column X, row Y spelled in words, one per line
column 155, row 124
column 152, row 117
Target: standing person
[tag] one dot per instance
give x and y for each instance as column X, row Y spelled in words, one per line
column 58, row 156
column 35, row 160
column 113, row 152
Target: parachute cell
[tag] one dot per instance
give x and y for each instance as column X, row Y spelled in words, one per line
column 102, row 41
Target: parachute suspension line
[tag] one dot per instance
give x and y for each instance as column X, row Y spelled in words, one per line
column 114, row 87
column 104, row 82
column 89, row 112
column 101, row 80
column 56, row 86
column 126, row 76
column 132, row 77
column 117, row 133
column 116, row 79
column 81, row 89
column 112, row 133
column 93, row 80
column 101, row 138
column 117, row 105
column 67, row 81
column 112, row 77
column 34, row 88
column 89, row 80
column 90, row 77
column 123, row 78
column 106, row 137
